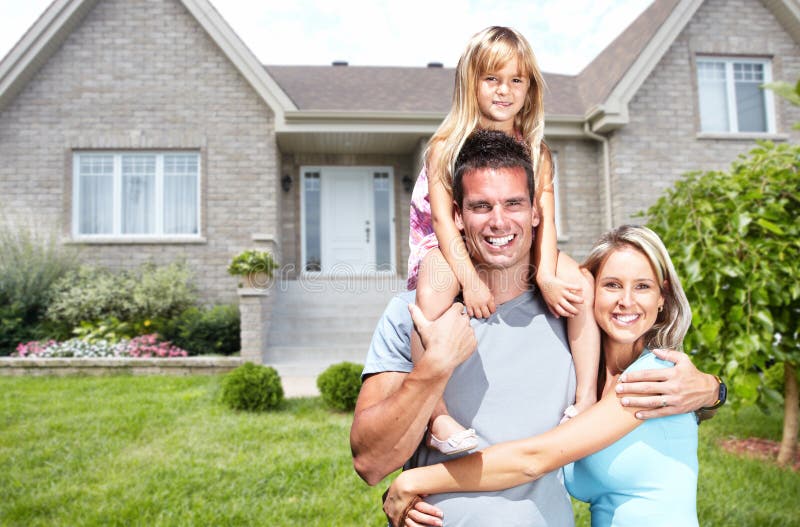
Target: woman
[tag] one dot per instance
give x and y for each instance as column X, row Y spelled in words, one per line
column 637, row 472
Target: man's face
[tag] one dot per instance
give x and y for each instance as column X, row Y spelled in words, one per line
column 497, row 217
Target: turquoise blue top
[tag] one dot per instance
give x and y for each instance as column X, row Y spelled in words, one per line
column 649, row 477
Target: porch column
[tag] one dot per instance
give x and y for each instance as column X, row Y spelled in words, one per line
column 255, row 308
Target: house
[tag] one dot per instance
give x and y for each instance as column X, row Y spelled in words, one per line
column 146, row 130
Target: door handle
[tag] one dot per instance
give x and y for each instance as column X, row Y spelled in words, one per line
column 367, row 231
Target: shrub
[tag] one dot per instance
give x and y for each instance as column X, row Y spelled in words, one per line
column 340, row 384
column 206, row 330
column 252, row 261
column 30, row 264
column 253, row 388
column 150, row 293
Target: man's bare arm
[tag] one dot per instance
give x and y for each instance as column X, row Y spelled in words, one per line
column 683, row 388
column 393, row 408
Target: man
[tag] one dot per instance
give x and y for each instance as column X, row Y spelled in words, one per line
column 520, row 378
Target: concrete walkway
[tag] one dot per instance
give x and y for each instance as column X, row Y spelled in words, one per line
column 299, row 386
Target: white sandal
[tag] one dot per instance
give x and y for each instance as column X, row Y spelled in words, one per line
column 569, row 413
column 456, row 443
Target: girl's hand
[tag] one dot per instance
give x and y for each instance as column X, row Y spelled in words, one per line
column 404, row 508
column 478, row 299
column 560, row 296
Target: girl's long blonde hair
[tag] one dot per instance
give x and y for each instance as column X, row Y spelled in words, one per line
column 487, row 51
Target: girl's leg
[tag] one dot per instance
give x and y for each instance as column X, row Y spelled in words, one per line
column 583, row 334
column 437, row 286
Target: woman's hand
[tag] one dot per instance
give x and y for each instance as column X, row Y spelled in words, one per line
column 478, row 299
column 560, row 295
column 404, row 508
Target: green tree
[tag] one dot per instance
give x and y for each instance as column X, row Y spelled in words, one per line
column 735, row 240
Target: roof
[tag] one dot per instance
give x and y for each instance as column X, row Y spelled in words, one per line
column 311, row 103
column 601, row 75
column 395, row 89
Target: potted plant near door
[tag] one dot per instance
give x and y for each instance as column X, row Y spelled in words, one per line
column 255, row 266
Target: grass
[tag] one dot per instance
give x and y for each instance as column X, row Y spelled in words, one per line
column 164, row 451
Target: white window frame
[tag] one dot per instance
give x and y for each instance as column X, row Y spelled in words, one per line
column 116, row 234
column 733, row 116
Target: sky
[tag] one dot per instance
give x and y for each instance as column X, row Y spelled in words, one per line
column 565, row 34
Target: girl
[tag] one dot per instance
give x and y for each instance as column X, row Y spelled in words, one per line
column 499, row 86
column 632, row 472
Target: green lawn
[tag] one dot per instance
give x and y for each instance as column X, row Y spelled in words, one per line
column 164, row 451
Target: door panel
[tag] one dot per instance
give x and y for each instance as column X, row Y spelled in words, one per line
column 348, row 242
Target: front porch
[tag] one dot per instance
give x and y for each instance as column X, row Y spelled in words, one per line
column 302, row 326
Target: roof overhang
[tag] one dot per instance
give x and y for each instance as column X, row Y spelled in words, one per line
column 613, row 113
column 47, row 34
column 379, row 132
column 38, row 44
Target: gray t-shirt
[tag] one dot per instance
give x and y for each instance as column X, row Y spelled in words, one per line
column 516, row 385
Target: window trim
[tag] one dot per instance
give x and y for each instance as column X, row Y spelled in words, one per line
column 116, row 236
column 733, row 117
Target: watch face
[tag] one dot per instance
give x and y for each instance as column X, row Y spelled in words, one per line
column 723, row 392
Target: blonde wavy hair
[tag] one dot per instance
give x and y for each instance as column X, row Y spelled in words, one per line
column 488, row 50
column 674, row 320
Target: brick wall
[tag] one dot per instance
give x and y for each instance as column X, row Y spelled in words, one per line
column 660, row 143
column 580, row 189
column 142, row 74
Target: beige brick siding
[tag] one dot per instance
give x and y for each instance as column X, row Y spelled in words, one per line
column 660, row 143
column 580, row 188
column 142, row 74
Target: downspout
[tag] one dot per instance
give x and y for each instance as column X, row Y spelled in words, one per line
column 606, row 172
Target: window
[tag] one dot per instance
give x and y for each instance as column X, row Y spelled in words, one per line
column 136, row 194
column 731, row 98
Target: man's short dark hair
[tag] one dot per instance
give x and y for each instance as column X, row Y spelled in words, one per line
column 490, row 149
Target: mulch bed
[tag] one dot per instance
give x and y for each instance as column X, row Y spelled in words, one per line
column 758, row 448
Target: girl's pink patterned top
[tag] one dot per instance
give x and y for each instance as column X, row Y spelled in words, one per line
column 421, row 237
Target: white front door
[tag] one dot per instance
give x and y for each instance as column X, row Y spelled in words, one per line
column 348, row 243
column 348, row 220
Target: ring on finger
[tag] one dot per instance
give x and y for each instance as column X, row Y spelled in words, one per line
column 663, row 402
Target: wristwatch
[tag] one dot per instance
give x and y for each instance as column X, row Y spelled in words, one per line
column 722, row 396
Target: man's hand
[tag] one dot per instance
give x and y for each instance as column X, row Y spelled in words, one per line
column 449, row 339
column 668, row 391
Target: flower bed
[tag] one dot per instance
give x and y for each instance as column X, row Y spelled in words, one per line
column 144, row 346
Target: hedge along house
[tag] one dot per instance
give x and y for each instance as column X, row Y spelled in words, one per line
column 145, row 130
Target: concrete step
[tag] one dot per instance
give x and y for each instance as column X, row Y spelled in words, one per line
column 319, row 337
column 312, row 355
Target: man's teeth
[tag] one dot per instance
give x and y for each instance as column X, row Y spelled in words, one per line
column 627, row 318
column 501, row 241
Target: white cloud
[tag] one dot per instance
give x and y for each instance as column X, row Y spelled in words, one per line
column 565, row 34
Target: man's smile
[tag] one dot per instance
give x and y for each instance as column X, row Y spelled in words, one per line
column 500, row 241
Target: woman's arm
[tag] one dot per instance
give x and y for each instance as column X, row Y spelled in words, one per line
column 513, row 463
column 477, row 297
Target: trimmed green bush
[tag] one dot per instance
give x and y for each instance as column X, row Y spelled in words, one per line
column 206, row 330
column 30, row 264
column 253, row 388
column 144, row 296
column 339, row 385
